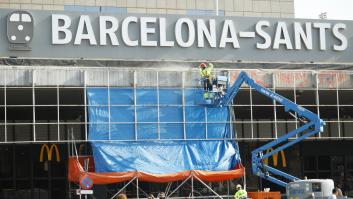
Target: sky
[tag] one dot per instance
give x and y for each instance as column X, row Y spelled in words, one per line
column 335, row 9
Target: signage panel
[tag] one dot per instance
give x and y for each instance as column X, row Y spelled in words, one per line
column 71, row 35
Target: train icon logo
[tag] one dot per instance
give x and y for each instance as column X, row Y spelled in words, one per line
column 20, row 30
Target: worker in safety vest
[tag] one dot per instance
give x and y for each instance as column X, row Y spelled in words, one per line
column 206, row 72
column 241, row 193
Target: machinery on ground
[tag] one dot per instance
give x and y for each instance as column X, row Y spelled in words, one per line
column 311, row 125
column 313, row 188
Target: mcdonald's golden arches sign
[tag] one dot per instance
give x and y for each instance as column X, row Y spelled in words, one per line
column 49, row 151
column 275, row 158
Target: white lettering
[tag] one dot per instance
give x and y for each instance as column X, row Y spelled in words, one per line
column 263, row 34
column 178, row 32
column 282, row 30
column 56, row 29
column 162, row 34
column 340, row 37
column 125, row 31
column 300, row 35
column 322, row 33
column 210, row 33
column 144, row 21
column 85, row 22
column 104, row 31
column 228, row 26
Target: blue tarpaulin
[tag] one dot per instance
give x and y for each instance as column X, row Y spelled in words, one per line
column 158, row 115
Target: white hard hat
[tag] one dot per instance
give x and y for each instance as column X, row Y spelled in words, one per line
column 238, row 186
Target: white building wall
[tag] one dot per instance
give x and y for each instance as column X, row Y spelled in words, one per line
column 258, row 8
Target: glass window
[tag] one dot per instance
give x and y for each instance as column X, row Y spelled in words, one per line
column 41, row 188
column 242, row 112
column 6, row 166
column 72, row 114
column 77, row 129
column 247, row 129
column 345, row 97
column 71, row 96
column 2, row 96
column 46, row 96
column 281, row 128
column 59, row 188
column 305, row 97
column 349, row 160
column 347, row 129
column 324, row 163
column 289, row 94
column 242, row 98
column 40, row 166
column 19, row 96
column 263, row 112
column 26, row 18
column 46, row 113
column 58, row 169
column 23, row 160
column 346, row 113
column 2, row 133
column 259, row 99
column 19, row 114
column 263, row 129
column 309, row 163
column 19, row 132
column 328, row 112
column 15, row 17
column 239, row 129
column 337, row 163
column 330, row 129
column 281, row 114
column 46, row 132
column 328, row 97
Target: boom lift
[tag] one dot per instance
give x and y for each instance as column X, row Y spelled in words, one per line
column 312, row 125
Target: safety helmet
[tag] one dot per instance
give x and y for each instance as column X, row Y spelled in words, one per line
column 238, row 186
column 203, row 65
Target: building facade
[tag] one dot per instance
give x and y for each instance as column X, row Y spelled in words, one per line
column 43, row 102
column 263, row 8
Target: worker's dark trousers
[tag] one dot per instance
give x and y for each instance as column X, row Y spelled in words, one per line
column 207, row 86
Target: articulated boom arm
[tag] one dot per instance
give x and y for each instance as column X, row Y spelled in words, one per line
column 313, row 124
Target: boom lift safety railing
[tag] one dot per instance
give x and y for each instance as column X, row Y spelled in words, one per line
column 312, row 125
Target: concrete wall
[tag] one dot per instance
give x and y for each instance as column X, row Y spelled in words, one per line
column 264, row 8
